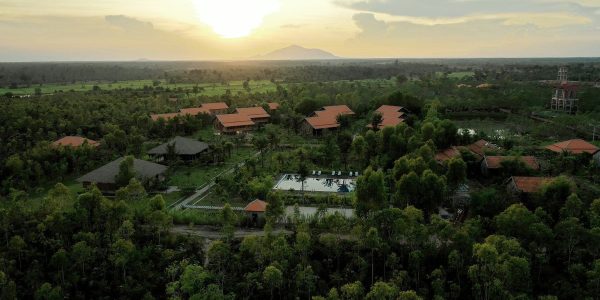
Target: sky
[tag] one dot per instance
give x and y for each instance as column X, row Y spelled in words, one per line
column 86, row 30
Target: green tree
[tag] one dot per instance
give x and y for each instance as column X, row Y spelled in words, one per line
column 17, row 245
column 126, row 172
column 370, row 192
column 457, row 172
column 276, row 206
column 122, row 252
column 228, row 221
column 382, row 291
column 376, row 120
column 273, row 278
column 352, row 291
column 81, row 253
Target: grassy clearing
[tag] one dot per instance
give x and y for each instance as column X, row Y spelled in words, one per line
column 196, row 176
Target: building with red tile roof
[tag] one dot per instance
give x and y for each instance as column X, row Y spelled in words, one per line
column 215, row 108
column 194, row 111
column 257, row 114
column 447, row 154
column 481, row 147
column 212, row 108
column 273, row 106
column 325, row 120
column 74, row 142
column 495, row 162
column 478, row 149
column 257, row 206
column 526, row 185
column 390, row 116
column 166, row 117
column 575, row 146
column 233, row 123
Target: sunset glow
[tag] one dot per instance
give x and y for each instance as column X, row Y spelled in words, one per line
column 234, row 18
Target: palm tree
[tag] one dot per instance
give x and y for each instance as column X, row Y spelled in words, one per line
column 302, row 173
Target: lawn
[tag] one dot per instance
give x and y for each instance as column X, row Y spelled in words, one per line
column 196, row 176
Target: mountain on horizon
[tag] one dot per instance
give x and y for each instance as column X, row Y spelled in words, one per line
column 295, row 52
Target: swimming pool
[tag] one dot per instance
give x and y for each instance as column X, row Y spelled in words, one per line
column 291, row 182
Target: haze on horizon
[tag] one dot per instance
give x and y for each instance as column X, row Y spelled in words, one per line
column 75, row 30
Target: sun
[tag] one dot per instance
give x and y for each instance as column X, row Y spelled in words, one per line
column 234, row 18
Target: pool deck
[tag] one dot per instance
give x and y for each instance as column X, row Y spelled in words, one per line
column 324, row 183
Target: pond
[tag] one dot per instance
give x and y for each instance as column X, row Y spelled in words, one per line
column 291, row 182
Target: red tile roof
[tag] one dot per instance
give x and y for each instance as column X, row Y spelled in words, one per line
column 575, row 146
column 253, row 112
column 340, row 109
column 166, row 117
column 390, row 116
column 481, row 146
column 256, row 206
column 495, row 162
column 327, row 117
column 215, row 105
column 194, row 111
column 234, row 120
column 273, row 105
column 447, row 154
column 323, row 122
column 74, row 141
column 529, row 184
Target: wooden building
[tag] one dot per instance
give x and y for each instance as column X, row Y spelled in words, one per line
column 390, row 116
column 576, row 147
column 257, row 114
column 233, row 123
column 184, row 148
column 105, row 176
column 324, row 121
column 492, row 164
column 520, row 186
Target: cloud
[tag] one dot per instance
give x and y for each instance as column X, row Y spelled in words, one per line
column 459, row 8
column 477, row 37
column 542, row 20
column 128, row 23
column 369, row 26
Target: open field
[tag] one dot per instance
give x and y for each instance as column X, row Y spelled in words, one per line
column 208, row 89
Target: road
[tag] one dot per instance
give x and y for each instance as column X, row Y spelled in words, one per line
column 213, row 233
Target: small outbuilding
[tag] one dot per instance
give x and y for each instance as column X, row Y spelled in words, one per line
column 256, row 210
column 105, row 176
column 184, row 148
